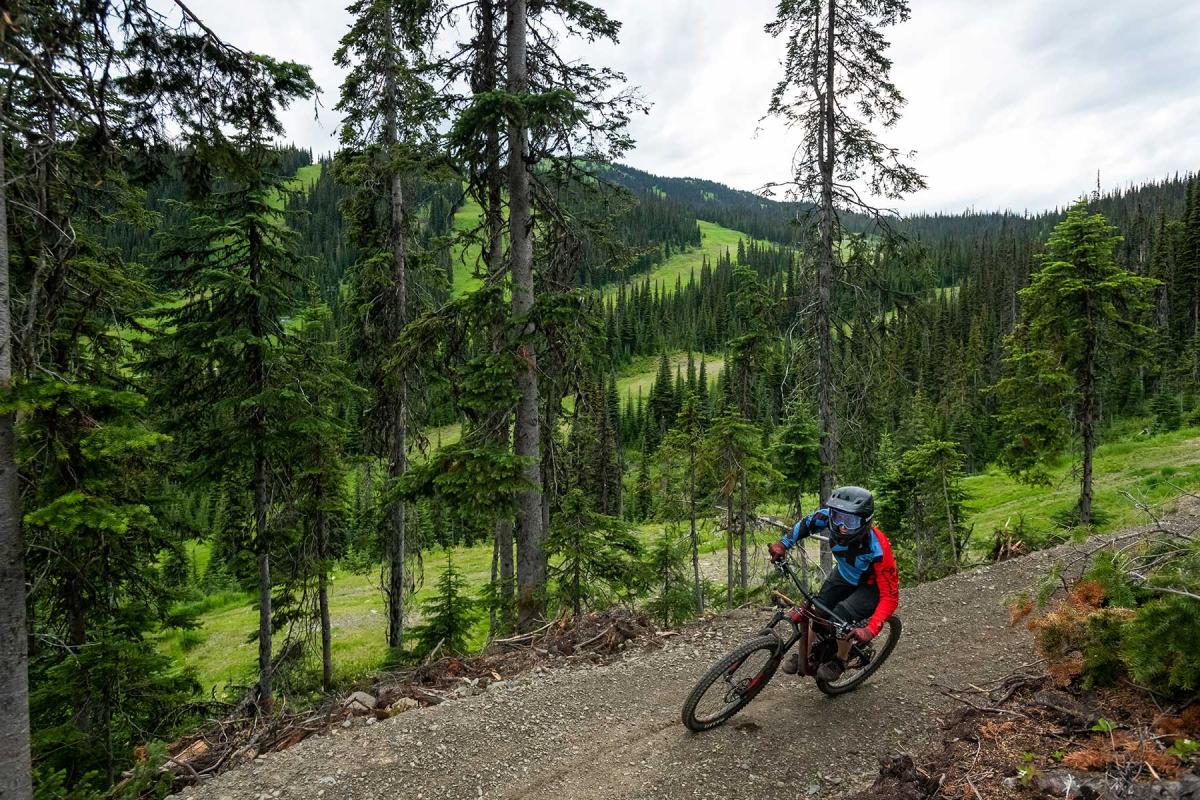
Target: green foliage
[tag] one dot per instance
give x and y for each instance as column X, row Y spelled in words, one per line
column 1167, row 412
column 1159, row 645
column 795, row 451
column 923, row 501
column 1133, row 613
column 1109, row 571
column 1036, row 398
column 121, row 688
column 1102, row 663
column 595, row 558
column 1080, row 310
column 674, row 595
column 1184, row 749
column 449, row 616
column 735, row 460
column 476, row 482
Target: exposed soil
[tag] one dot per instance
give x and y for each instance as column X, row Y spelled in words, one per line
column 613, row 730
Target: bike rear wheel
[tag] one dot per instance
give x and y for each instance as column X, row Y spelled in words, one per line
column 874, row 653
column 731, row 683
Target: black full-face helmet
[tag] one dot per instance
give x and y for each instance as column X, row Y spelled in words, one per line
column 851, row 509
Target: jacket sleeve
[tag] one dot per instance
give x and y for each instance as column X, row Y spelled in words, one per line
column 888, row 581
column 816, row 521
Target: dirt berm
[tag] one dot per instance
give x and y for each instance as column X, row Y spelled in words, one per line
column 613, row 731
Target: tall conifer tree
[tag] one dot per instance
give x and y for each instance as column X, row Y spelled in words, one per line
column 390, row 114
column 836, row 84
column 1080, row 310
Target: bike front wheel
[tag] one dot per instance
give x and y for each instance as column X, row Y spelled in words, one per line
column 731, row 683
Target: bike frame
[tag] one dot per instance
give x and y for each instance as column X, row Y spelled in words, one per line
column 803, row 619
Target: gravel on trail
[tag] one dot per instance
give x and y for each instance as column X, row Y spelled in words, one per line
column 614, row 730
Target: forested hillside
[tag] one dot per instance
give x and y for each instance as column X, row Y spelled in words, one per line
column 275, row 421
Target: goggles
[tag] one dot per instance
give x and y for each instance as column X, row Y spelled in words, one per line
column 845, row 520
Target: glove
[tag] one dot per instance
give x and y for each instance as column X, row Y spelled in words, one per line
column 862, row 635
column 777, row 550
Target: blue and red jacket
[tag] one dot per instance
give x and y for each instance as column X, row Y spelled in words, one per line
column 867, row 562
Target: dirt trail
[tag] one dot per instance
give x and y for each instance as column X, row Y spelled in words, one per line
column 613, row 731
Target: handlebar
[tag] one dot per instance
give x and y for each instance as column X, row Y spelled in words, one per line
column 841, row 626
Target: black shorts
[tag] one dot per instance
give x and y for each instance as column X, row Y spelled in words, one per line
column 847, row 601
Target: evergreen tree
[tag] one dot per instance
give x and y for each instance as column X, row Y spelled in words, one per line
column 448, row 616
column 100, row 87
column 836, row 83
column 596, row 557
column 737, row 465
column 923, row 501
column 672, row 602
column 318, row 469
column 1080, row 308
column 224, row 358
column 794, row 453
column 389, row 115
column 679, row 461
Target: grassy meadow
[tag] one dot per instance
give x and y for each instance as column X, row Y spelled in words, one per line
column 1149, row 469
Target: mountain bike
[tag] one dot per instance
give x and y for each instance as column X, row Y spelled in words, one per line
column 735, row 680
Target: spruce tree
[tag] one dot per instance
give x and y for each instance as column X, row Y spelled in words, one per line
column 596, row 557
column 448, row 615
column 389, row 113
column 678, row 459
column 223, row 356
column 794, row 453
column 1080, row 309
column 672, row 601
column 738, row 468
column 104, row 87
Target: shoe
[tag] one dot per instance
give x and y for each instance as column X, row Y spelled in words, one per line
column 791, row 664
column 831, row 670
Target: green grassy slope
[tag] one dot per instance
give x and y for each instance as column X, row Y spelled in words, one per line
column 463, row 259
column 222, row 653
column 639, row 376
column 1150, row 470
column 715, row 240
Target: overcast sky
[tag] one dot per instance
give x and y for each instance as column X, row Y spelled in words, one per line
column 1013, row 104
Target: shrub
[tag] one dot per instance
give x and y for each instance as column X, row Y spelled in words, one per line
column 449, row 616
column 1136, row 615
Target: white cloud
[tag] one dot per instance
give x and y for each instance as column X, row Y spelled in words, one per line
column 1011, row 105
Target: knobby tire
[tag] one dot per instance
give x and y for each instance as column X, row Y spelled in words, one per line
column 736, row 700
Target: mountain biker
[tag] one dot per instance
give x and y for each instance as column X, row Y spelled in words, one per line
column 865, row 585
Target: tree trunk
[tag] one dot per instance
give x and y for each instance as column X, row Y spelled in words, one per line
column 744, row 552
column 576, row 583
column 494, row 218
column 695, row 537
column 323, row 607
column 398, row 456
column 492, row 627
column 950, row 524
column 1088, row 420
column 262, row 539
column 263, row 551
column 828, row 450
column 16, row 777
column 326, row 632
column 531, row 556
column 729, row 551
